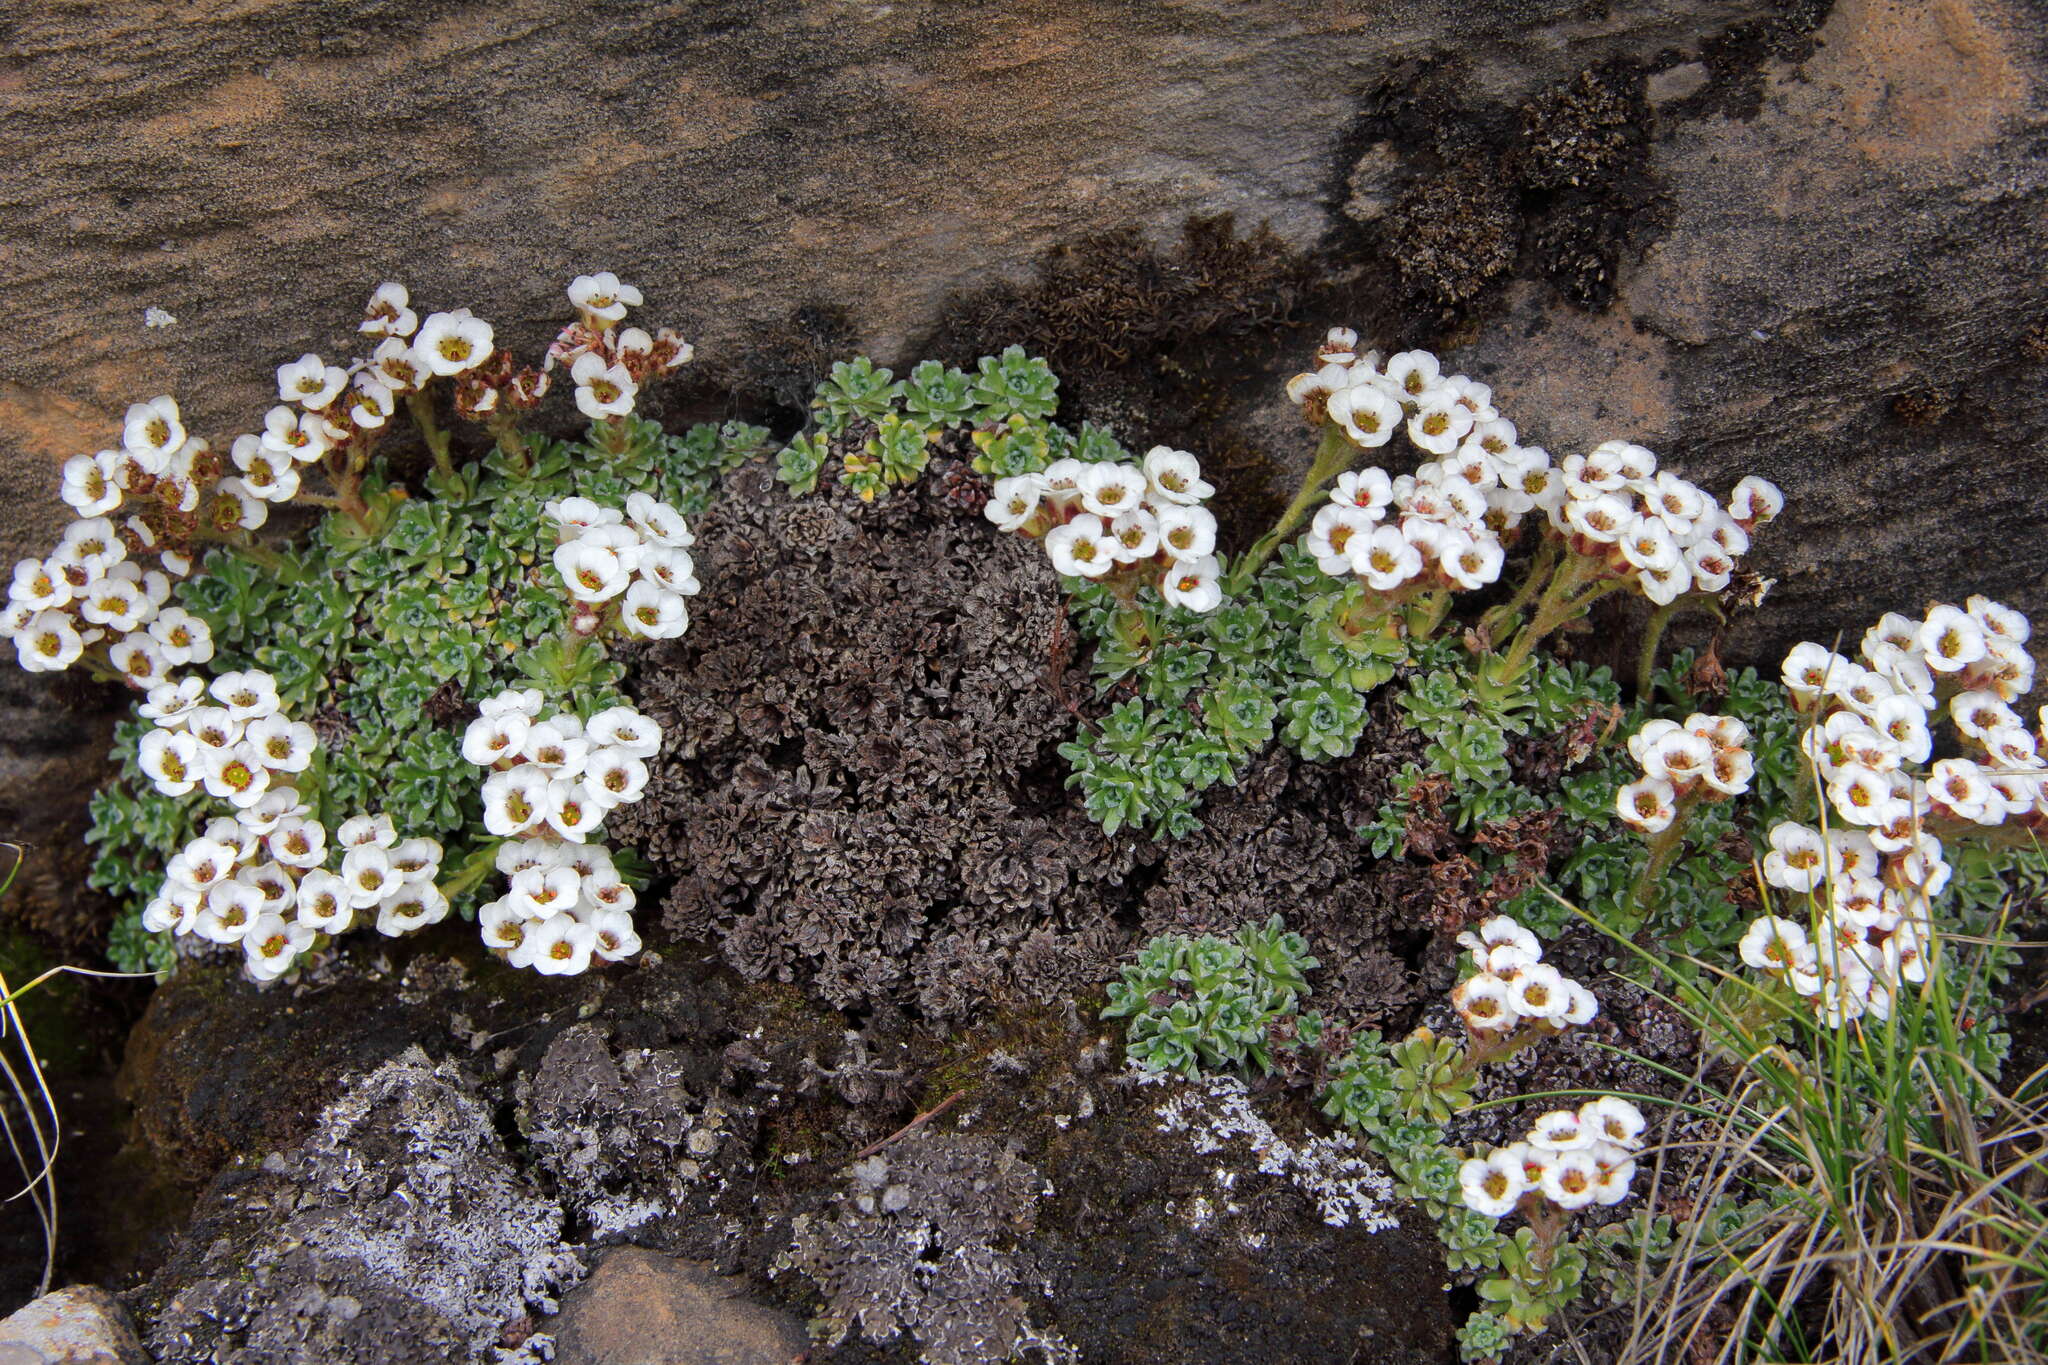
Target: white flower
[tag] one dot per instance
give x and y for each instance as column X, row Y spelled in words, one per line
column 1755, row 501
column 1136, row 534
column 414, row 905
column 1862, row 795
column 1491, row 1185
column 613, row 936
column 1679, row 757
column 1194, row 584
column 1648, row 804
column 593, row 573
column 1501, row 930
column 551, row 748
column 202, row 862
column 521, row 701
column 503, row 927
column 183, row 637
column 601, row 297
column 286, row 745
column 235, row 506
column 574, row 516
column 1603, row 520
column 1470, row 563
column 1439, row 425
column 1369, row 490
column 623, row 728
column 1109, row 490
column 1773, row 944
column 557, row 946
column 1572, row 1180
column 670, row 568
column 1014, row 501
column 1950, row 639
column 272, row 944
column 169, row 704
column 115, row 603
column 171, row 759
column 367, row 875
column 490, row 738
column 570, row 812
column 235, row 774
column 538, row 892
column 1959, row 786
column 658, row 522
column 388, row 313
column 1413, row 373
column 1387, row 559
column 417, row 859
column 1482, row 1002
column 1063, row 480
column 1175, row 476
column 1808, row 670
column 247, row 694
column 323, row 903
column 1186, row 532
column 39, row 586
column 607, row 890
column 271, row 882
column 450, row 343
column 89, row 485
column 297, row 841
column 372, row 402
column 139, row 659
column 653, row 612
column 231, row 909
column 1612, row 1119
column 1617, row 1168
column 298, row 436
column 310, row 381
column 1648, row 545
column 1334, row 535
column 396, row 366
column 1580, row 1005
column 614, row 777
column 151, row 431
column 1538, row 992
column 1798, row 857
column 1561, row 1130
column 1368, row 414
column 1082, row 547
column 366, row 831
column 602, row 390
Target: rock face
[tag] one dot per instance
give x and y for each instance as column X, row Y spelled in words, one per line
column 78, row 1326
column 639, row 1308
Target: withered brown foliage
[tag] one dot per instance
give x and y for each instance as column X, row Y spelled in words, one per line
column 860, row 789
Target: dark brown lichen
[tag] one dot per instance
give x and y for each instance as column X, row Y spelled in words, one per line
column 861, row 790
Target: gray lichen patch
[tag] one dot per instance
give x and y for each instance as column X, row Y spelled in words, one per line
column 399, row 1231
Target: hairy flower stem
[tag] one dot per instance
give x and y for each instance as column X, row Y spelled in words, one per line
column 1333, row 457
column 1653, row 634
column 1562, row 603
column 1485, row 1049
column 1664, row 846
column 1498, row 621
column 422, row 408
column 512, row 441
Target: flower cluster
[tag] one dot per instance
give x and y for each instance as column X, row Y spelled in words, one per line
column 564, row 904
column 1705, row 759
column 90, row 600
column 1870, row 736
column 552, row 781
column 1122, row 523
column 607, row 363
column 1514, row 986
column 1448, row 525
column 1571, row 1158
column 635, row 564
column 268, row 877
